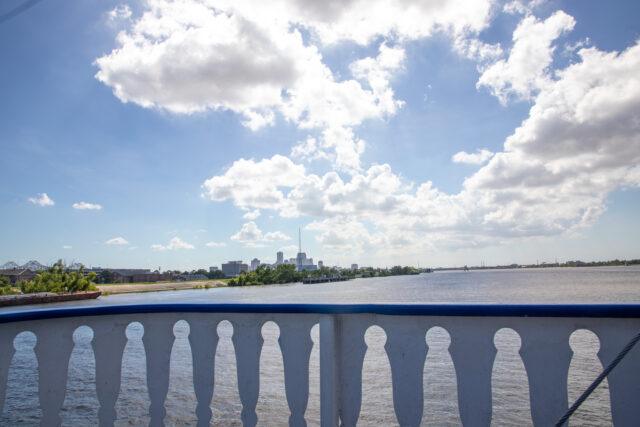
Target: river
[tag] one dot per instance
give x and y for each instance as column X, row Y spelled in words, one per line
column 510, row 386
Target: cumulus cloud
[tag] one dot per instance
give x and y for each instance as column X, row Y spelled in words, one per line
column 580, row 142
column 87, row 206
column 248, row 233
column 476, row 158
column 174, row 244
column 252, row 214
column 250, row 58
column 117, row 241
column 119, row 13
column 255, row 184
column 215, row 244
column 42, row 200
column 276, row 236
column 526, row 70
column 252, row 237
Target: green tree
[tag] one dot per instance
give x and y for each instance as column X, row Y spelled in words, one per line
column 58, row 278
column 5, row 286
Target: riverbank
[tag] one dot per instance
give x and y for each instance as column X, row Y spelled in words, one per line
column 155, row 287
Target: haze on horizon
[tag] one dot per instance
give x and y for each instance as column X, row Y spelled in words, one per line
column 187, row 133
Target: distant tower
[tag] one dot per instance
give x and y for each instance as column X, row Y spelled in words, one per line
column 320, row 264
column 255, row 263
column 279, row 258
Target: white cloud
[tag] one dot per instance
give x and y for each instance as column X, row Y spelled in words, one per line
column 255, row 184
column 119, row 13
column 252, row 214
column 275, row 236
column 526, row 70
column 174, row 244
column 188, row 56
column 215, row 244
column 42, row 200
column 477, row 158
column 86, row 206
column 252, row 237
column 117, row 241
column 248, row 233
column 66, row 247
column 580, row 142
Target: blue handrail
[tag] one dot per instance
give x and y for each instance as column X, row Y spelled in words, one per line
column 480, row 310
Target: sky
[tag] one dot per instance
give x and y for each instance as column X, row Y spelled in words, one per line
column 183, row 134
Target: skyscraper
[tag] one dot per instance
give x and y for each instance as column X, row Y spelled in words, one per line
column 279, row 258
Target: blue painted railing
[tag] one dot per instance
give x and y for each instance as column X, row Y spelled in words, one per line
column 544, row 331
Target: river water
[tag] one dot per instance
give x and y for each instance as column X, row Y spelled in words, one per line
column 510, row 386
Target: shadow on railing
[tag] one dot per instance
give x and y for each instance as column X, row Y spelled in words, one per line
column 471, row 336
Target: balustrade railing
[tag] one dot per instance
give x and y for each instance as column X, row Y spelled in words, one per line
column 545, row 352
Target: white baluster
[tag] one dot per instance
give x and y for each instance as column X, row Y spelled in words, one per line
column 7, row 335
column 473, row 353
column 407, row 350
column 624, row 382
column 109, row 340
column 546, row 355
column 352, row 349
column 247, row 342
column 329, row 368
column 158, row 340
column 203, row 337
column 53, row 350
column 296, row 344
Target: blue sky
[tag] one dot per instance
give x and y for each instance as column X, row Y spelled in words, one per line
column 184, row 134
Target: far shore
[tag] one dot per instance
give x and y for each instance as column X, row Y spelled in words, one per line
column 112, row 289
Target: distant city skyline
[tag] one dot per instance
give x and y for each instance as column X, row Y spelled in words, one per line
column 182, row 135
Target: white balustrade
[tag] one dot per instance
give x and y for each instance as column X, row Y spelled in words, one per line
column 545, row 353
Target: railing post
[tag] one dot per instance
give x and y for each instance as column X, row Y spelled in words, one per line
column 109, row 341
column 473, row 352
column 546, row 356
column 53, row 350
column 158, row 341
column 329, row 387
column 7, row 350
column 247, row 342
column 296, row 344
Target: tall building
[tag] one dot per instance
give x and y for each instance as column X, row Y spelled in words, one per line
column 279, row 258
column 234, row 268
column 212, row 269
column 255, row 263
column 320, row 263
column 354, row 266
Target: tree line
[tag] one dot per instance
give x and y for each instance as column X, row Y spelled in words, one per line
column 287, row 273
column 57, row 278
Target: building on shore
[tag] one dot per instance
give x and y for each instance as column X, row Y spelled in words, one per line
column 212, row 269
column 18, row 274
column 279, row 258
column 255, row 263
column 133, row 275
column 189, row 277
column 354, row 266
column 234, row 268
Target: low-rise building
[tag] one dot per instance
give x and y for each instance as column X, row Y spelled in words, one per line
column 18, row 274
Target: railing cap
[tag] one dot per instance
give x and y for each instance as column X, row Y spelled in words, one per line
column 469, row 310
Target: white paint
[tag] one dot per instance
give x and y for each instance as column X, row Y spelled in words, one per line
column 545, row 352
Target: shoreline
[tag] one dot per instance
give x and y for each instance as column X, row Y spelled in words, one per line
column 111, row 289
